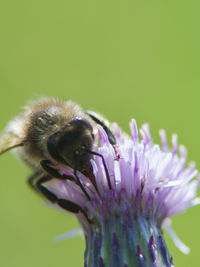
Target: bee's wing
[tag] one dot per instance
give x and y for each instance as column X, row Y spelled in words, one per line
column 9, row 140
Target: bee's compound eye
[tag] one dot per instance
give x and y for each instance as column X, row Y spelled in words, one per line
column 53, row 147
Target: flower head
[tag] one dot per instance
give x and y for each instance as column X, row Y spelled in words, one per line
column 134, row 179
column 150, row 179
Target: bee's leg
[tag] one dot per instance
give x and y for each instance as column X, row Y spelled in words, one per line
column 104, row 165
column 33, row 178
column 63, row 203
column 53, row 172
column 42, row 189
column 36, row 182
column 101, row 121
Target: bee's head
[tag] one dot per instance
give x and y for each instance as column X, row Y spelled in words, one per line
column 71, row 144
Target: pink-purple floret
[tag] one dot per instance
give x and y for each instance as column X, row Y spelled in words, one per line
column 150, row 180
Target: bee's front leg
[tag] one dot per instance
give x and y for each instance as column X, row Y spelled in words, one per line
column 52, row 171
column 36, row 182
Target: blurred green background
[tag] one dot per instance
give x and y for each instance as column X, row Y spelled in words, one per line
column 124, row 59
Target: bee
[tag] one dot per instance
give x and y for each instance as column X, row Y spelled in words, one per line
column 50, row 134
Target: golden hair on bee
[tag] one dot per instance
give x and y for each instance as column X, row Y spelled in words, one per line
column 52, row 133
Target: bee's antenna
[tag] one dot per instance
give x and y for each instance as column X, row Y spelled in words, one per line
column 10, row 147
column 104, row 165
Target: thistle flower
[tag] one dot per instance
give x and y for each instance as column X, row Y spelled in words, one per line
column 128, row 198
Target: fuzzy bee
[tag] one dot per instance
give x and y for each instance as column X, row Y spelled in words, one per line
column 50, row 134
